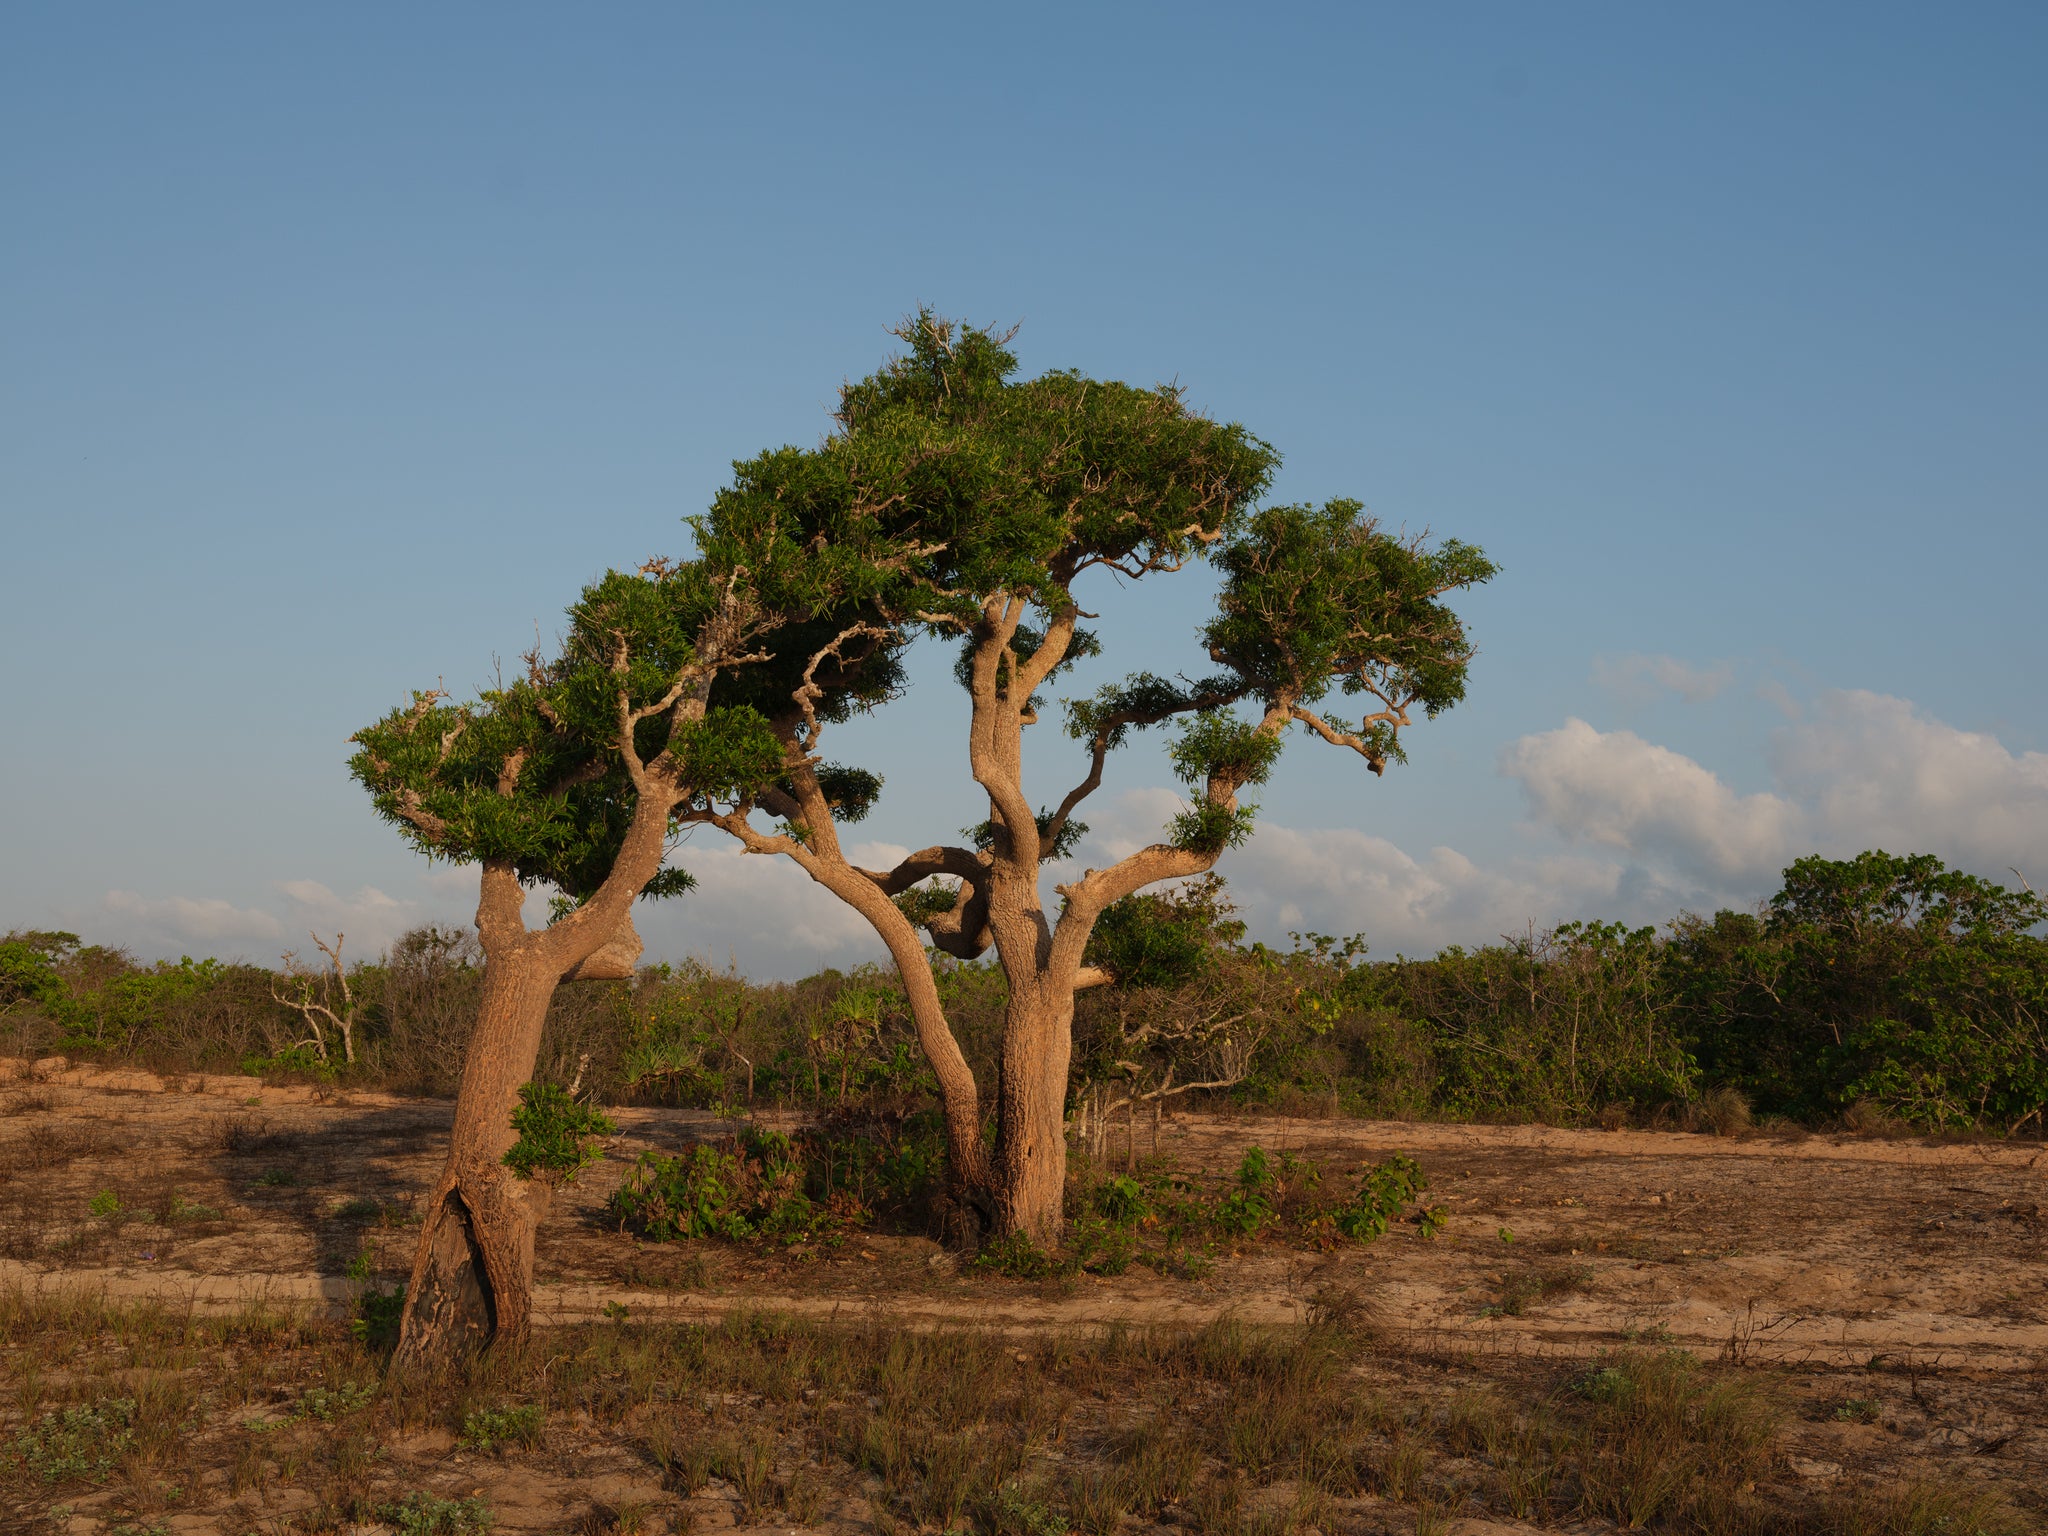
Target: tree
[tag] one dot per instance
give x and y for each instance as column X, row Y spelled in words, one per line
column 999, row 496
column 571, row 777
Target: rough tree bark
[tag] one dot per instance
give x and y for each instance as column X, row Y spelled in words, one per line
column 472, row 1275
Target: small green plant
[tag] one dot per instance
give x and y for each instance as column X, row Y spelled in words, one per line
column 1017, row 1256
column 79, row 1442
column 1178, row 1261
column 360, row 1208
column 277, row 1178
column 330, row 1403
column 1857, row 1410
column 375, row 1325
column 104, row 1206
column 554, row 1132
column 751, row 1185
column 1122, row 1200
column 1247, row 1208
column 1102, row 1247
column 492, row 1429
column 1384, row 1188
column 422, row 1514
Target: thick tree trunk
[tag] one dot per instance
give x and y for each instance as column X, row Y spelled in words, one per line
column 472, row 1279
column 1031, row 1116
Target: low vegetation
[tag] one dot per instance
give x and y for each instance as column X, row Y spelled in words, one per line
column 283, row 1422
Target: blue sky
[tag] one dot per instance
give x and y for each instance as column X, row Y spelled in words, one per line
column 339, row 347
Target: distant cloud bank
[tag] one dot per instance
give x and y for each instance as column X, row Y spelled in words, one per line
column 1617, row 826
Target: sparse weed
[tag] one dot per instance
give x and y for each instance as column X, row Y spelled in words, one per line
column 80, row 1442
column 493, row 1429
column 424, row 1514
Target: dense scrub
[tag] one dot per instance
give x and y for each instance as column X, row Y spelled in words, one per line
column 1880, row 989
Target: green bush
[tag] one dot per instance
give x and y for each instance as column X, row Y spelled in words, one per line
column 1383, row 1192
column 492, row 1429
column 554, row 1132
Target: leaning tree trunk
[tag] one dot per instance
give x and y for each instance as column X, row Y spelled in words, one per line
column 472, row 1275
column 1030, row 1165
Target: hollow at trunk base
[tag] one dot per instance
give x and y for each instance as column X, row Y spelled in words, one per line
column 449, row 1311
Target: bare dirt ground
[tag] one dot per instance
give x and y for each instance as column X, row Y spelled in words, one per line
column 1904, row 1278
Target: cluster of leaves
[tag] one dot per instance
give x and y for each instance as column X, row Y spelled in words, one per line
column 1883, row 980
column 98, row 998
column 492, row 1429
column 83, row 1441
column 711, row 1039
column 819, row 1183
column 1176, row 1224
column 554, row 1133
column 428, row 1514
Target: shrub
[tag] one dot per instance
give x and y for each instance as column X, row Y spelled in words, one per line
column 1384, row 1189
column 491, row 1429
column 553, row 1133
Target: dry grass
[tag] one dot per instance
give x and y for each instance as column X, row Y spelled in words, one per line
column 1226, row 1428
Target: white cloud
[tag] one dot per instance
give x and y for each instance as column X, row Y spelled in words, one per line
column 1852, row 770
column 1341, row 880
column 761, row 911
column 1877, row 772
column 1616, row 789
column 1636, row 679
column 370, row 918
column 208, row 921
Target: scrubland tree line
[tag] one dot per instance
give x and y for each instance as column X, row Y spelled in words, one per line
column 1881, row 989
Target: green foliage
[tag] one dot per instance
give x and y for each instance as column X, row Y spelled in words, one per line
column 492, row 1429
column 1122, row 1200
column 1248, row 1207
column 1018, row 1257
column 553, row 1133
column 376, row 1320
column 701, row 1193
column 1382, row 1193
column 327, row 1404
column 1055, row 842
column 1316, row 598
column 427, row 1514
column 28, row 967
column 1217, row 745
column 84, row 1441
column 1165, row 938
column 1885, row 978
column 1207, row 827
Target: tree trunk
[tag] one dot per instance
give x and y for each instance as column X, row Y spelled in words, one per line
column 472, row 1278
column 1031, row 1139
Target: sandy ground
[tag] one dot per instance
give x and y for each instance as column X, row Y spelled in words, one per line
column 1853, row 1260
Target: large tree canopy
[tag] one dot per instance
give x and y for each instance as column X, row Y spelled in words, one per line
column 983, row 499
